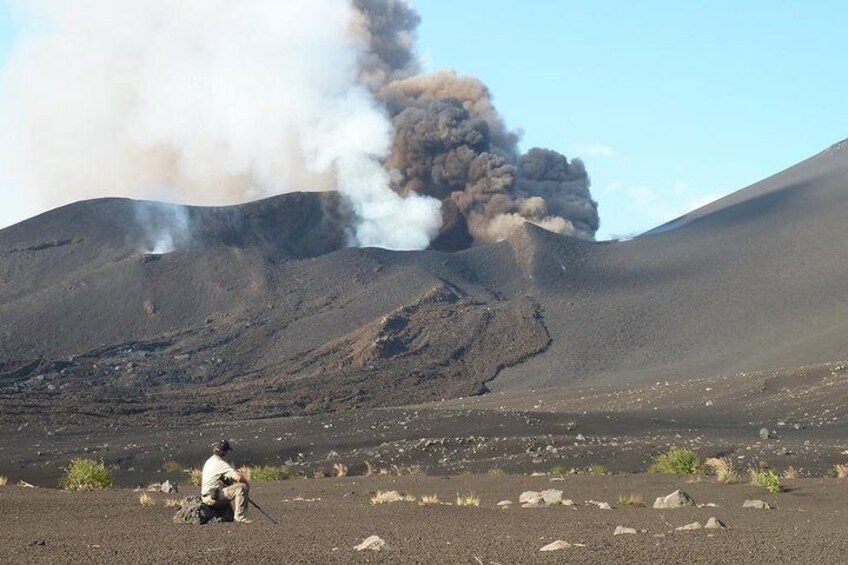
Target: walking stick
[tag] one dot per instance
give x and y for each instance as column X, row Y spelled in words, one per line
column 250, row 500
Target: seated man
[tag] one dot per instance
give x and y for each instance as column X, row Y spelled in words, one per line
column 223, row 486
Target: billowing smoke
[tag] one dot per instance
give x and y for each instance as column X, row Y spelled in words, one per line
column 224, row 101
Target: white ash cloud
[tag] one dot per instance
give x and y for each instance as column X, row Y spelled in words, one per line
column 225, row 101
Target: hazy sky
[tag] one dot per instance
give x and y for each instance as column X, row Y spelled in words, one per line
column 670, row 103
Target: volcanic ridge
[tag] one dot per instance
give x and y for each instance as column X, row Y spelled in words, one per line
column 141, row 312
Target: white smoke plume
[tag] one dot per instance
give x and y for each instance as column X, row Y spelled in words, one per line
column 222, row 101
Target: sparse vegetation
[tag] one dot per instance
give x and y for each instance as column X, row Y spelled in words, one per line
column 86, row 474
column 172, row 466
column 766, row 478
column 559, row 470
column 267, row 473
column 496, row 472
column 841, row 471
column 631, row 500
column 598, row 470
column 3, row 481
column 146, row 500
column 172, row 503
column 429, row 500
column 195, row 476
column 340, row 470
column 723, row 469
column 467, row 500
column 466, row 472
column 676, row 462
column 388, row 497
column 790, row 473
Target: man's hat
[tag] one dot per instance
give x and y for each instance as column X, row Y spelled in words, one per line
column 221, row 446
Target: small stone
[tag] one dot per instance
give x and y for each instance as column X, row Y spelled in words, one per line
column 372, row 543
column 677, row 499
column 708, row 403
column 622, row 530
column 169, row 487
column 687, row 527
column 758, row 504
column 604, row 506
column 556, row 546
column 580, row 437
column 505, row 503
column 765, row 433
column 714, row 524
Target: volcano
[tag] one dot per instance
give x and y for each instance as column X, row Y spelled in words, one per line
column 263, row 310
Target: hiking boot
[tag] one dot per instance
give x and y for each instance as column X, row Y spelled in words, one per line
column 244, row 521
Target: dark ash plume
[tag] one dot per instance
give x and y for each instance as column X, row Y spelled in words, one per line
column 451, row 143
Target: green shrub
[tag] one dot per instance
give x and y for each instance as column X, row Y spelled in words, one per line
column 676, row 462
column 86, row 474
column 269, row 474
column 559, row 470
column 496, row 472
column 598, row 470
column 768, row 479
column 172, row 466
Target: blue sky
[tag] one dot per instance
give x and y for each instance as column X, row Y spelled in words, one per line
column 669, row 103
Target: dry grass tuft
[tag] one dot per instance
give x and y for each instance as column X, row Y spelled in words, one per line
column 429, row 500
column 340, row 470
column 496, row 472
column 790, row 473
column 146, row 500
column 388, row 497
column 631, row 500
column 173, row 503
column 246, row 472
column 3, row 481
column 195, row 476
column 468, row 500
column 369, row 469
column 841, row 471
column 723, row 469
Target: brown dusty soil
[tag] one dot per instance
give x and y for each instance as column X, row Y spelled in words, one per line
column 51, row 526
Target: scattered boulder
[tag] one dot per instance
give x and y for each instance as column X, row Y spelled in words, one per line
column 373, row 543
column 714, row 524
column 505, row 503
column 688, row 527
column 766, row 433
column 622, row 530
column 758, row 504
column 169, row 487
column 551, row 496
column 677, row 499
column 192, row 511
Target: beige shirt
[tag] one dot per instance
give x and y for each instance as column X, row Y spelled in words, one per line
column 214, row 470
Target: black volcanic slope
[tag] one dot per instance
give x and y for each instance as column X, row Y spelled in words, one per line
column 264, row 312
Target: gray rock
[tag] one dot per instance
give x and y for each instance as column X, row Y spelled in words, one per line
column 505, row 503
column 765, row 433
column 758, row 504
column 677, row 499
column 195, row 513
column 169, row 487
column 688, row 527
column 714, row 524
column 373, row 543
column 622, row 530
